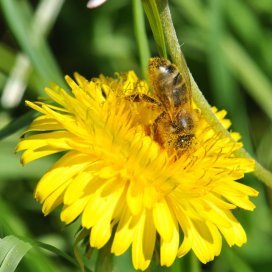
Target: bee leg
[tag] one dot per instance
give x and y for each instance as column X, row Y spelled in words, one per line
column 141, row 98
column 155, row 129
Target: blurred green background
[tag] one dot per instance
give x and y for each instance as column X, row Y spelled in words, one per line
column 228, row 48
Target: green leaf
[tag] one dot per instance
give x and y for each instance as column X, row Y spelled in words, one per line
column 237, row 264
column 225, row 89
column 249, row 74
column 105, row 259
column 153, row 16
column 82, row 234
column 140, row 33
column 17, row 15
column 12, row 251
column 17, row 124
column 246, row 18
column 55, row 250
column 8, row 58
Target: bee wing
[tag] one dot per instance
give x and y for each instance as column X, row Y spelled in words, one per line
column 183, row 68
column 172, row 86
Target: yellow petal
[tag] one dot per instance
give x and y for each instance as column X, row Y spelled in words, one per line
column 101, row 232
column 93, row 209
column 54, row 199
column 149, row 235
column 44, row 123
column 71, row 212
column 68, row 166
column 185, row 246
column 168, row 251
column 77, row 186
column 125, row 233
column 139, row 260
column 163, row 220
column 205, row 249
column 234, row 235
column 44, row 144
column 135, row 197
column 32, row 155
column 102, row 203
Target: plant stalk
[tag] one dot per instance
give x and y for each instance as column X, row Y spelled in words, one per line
column 177, row 57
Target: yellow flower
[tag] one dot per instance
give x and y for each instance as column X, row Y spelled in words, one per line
column 121, row 183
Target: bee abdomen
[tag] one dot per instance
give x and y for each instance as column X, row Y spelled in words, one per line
column 184, row 141
column 179, row 94
column 183, row 123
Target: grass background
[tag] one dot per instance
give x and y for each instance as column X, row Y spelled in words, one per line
column 227, row 45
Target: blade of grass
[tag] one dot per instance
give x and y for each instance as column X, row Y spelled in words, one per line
column 258, row 39
column 224, row 89
column 17, row 124
column 8, row 57
column 141, row 38
column 43, row 19
column 105, row 259
column 194, row 263
column 54, row 250
column 2, row 80
column 152, row 13
column 195, row 11
column 236, row 262
column 11, row 223
column 264, row 149
column 248, row 72
column 17, row 82
column 12, row 251
column 245, row 21
column 81, row 235
column 17, row 16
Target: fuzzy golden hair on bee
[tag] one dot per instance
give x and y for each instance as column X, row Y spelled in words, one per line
column 174, row 127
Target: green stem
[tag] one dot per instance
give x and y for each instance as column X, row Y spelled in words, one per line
column 104, row 261
column 260, row 172
column 140, row 34
column 170, row 34
column 206, row 110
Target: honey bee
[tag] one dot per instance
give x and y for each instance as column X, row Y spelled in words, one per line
column 174, row 128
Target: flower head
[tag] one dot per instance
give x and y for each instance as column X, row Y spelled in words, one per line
column 121, row 183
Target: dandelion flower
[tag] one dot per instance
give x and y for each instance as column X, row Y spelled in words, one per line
column 121, row 184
